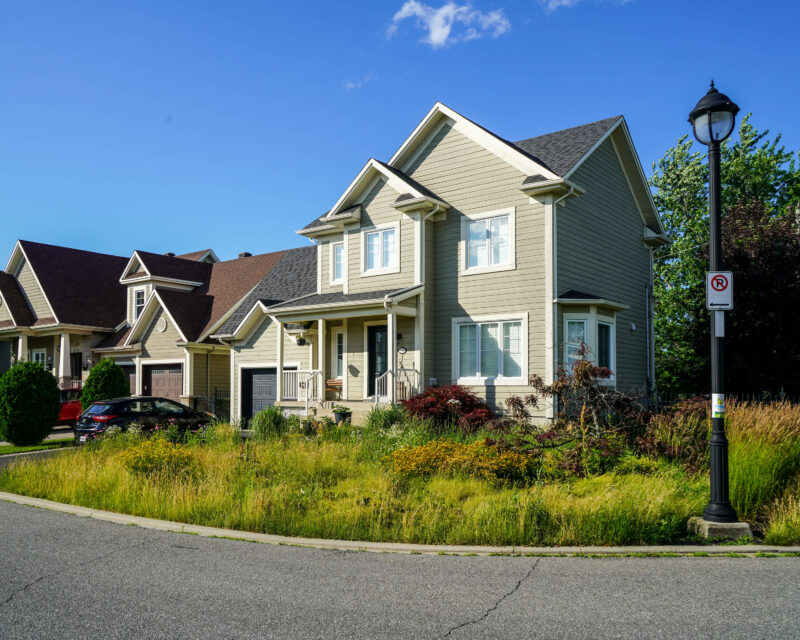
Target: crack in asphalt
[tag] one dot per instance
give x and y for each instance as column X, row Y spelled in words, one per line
column 28, row 585
column 496, row 604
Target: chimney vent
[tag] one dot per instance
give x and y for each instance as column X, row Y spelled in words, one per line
column 245, row 254
column 169, row 254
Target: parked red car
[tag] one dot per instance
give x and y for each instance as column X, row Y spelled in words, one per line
column 70, row 406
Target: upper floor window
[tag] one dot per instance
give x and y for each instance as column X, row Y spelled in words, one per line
column 381, row 250
column 337, row 262
column 138, row 303
column 488, row 240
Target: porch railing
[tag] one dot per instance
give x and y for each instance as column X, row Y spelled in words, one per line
column 302, row 386
column 409, row 383
column 382, row 387
column 70, row 383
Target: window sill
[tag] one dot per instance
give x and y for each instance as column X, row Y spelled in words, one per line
column 380, row 272
column 478, row 270
column 491, row 382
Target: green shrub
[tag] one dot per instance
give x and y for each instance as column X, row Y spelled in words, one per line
column 269, row 423
column 384, row 417
column 477, row 459
column 157, row 456
column 106, row 380
column 30, row 403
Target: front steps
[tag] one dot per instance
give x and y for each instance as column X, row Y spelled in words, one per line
column 360, row 408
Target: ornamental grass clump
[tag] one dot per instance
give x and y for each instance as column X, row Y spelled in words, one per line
column 158, row 456
column 783, row 517
column 448, row 458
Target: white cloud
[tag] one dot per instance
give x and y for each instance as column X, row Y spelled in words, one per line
column 451, row 22
column 551, row 5
column 357, row 84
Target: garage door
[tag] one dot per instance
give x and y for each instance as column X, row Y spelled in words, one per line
column 259, row 390
column 130, row 371
column 164, row 382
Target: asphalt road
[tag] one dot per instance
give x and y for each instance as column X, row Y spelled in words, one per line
column 63, row 576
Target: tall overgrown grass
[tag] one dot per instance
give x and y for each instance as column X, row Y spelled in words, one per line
column 340, row 483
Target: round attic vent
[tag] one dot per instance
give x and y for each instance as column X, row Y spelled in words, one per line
column 162, row 325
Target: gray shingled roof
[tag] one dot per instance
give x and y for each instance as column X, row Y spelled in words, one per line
column 295, row 275
column 335, row 298
column 562, row 150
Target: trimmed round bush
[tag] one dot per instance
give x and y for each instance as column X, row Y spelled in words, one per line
column 106, row 380
column 30, row 402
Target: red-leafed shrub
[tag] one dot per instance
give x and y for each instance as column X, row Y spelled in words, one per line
column 450, row 406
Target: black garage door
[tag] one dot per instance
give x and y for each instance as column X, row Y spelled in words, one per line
column 259, row 390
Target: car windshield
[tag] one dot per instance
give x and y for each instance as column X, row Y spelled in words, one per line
column 70, row 395
column 99, row 408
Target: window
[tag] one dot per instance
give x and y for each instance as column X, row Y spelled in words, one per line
column 490, row 350
column 337, row 262
column 338, row 354
column 576, row 339
column 593, row 333
column 380, row 250
column 138, row 302
column 488, row 241
column 39, row 356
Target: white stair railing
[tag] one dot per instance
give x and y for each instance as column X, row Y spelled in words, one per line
column 382, row 387
column 303, row 385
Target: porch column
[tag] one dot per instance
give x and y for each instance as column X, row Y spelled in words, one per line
column 391, row 352
column 321, row 346
column 279, row 383
column 345, row 372
column 22, row 348
column 64, row 360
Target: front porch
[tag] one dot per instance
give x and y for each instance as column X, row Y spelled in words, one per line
column 367, row 352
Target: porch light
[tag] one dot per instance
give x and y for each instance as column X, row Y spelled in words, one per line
column 713, row 117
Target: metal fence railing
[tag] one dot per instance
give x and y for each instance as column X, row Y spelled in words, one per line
column 218, row 403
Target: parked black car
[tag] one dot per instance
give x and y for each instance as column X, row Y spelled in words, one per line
column 148, row 413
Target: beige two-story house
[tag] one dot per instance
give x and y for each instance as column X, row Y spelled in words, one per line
column 464, row 259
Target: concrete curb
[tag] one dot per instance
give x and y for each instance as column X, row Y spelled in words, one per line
column 7, row 458
column 380, row 547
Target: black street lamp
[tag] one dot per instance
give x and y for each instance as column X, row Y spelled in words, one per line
column 712, row 120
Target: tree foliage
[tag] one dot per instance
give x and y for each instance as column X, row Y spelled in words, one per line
column 757, row 171
column 106, row 380
column 30, row 403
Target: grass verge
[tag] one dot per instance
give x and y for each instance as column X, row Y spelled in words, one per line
column 50, row 444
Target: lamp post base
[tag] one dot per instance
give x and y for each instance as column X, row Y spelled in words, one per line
column 707, row 529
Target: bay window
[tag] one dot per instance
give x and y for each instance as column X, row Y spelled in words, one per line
column 489, row 350
column 589, row 336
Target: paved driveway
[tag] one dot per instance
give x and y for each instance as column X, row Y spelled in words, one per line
column 63, row 576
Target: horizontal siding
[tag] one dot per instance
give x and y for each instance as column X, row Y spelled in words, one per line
column 161, row 345
column 33, row 292
column 220, row 372
column 377, row 210
column 601, row 251
column 472, row 181
column 5, row 316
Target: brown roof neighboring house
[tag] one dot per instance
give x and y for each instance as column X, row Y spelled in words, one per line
column 172, row 267
column 198, row 255
column 15, row 299
column 82, row 286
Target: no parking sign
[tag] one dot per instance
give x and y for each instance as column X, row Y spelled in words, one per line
column 719, row 290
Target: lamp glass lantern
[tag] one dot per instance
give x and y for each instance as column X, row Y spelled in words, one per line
column 713, row 117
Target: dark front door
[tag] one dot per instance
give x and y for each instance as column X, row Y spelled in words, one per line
column 259, row 390
column 76, row 365
column 377, row 354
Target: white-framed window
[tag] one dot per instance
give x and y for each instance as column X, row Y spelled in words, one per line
column 337, row 353
column 39, row 356
column 490, row 349
column 380, row 249
column 488, row 241
column 139, row 297
column 337, row 262
column 592, row 336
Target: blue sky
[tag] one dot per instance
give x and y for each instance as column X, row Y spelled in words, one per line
column 175, row 126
